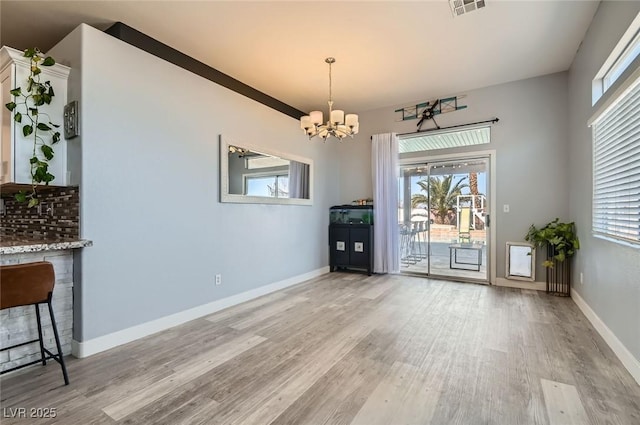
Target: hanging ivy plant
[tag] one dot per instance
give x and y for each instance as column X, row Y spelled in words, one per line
column 36, row 124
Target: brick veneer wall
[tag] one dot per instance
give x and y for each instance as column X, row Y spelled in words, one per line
column 62, row 224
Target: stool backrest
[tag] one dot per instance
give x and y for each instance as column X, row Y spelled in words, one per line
column 25, row 284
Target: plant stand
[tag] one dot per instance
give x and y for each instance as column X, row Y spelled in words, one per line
column 558, row 276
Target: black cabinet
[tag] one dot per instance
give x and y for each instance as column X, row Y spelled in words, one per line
column 351, row 246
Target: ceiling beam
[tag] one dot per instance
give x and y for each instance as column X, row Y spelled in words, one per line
column 150, row 45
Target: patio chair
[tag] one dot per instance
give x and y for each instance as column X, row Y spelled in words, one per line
column 464, row 225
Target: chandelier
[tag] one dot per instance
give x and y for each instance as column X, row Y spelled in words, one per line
column 338, row 125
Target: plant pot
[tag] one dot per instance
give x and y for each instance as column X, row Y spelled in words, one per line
column 558, row 276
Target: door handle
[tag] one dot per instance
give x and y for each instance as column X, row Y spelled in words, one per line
column 488, row 220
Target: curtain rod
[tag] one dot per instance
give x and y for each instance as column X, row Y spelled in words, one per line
column 492, row 121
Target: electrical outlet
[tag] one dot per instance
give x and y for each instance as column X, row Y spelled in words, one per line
column 45, row 209
column 581, row 278
column 218, row 279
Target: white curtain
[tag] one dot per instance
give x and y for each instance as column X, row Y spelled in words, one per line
column 298, row 180
column 384, row 166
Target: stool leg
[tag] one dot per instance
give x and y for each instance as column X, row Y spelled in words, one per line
column 55, row 334
column 403, row 246
column 411, row 239
column 40, row 339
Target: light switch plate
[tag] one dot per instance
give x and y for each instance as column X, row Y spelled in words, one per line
column 71, row 120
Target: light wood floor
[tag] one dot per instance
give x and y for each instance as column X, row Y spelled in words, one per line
column 350, row 349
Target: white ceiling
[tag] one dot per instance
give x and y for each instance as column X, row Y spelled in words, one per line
column 387, row 52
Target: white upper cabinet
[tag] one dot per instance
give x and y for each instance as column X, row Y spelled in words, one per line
column 16, row 148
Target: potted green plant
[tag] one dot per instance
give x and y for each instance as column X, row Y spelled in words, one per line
column 562, row 243
column 27, row 109
column 561, row 237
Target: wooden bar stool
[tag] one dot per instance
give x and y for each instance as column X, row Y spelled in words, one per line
column 31, row 284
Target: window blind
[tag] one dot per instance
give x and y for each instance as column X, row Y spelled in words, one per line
column 616, row 169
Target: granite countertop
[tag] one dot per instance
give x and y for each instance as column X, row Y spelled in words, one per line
column 20, row 244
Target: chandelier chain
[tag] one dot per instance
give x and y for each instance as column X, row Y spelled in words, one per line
column 330, row 96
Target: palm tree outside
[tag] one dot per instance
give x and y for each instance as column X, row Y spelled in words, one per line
column 473, row 188
column 473, row 183
column 444, row 194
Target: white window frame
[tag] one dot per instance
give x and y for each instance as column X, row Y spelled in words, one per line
column 621, row 57
column 616, row 144
column 622, row 63
column 274, row 174
column 407, row 139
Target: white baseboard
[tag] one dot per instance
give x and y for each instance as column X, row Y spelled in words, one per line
column 97, row 345
column 521, row 284
column 628, row 360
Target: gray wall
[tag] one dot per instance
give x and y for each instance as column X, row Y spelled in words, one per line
column 611, row 271
column 531, row 152
column 70, row 53
column 150, row 189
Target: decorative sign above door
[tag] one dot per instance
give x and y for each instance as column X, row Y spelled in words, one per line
column 427, row 110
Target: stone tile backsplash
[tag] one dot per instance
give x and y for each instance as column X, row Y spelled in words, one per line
column 56, row 219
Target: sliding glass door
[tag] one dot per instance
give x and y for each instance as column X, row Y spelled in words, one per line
column 444, row 218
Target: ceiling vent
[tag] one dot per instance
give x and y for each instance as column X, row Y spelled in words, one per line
column 460, row 7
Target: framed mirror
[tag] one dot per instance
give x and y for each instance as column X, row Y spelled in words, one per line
column 255, row 175
column 521, row 261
